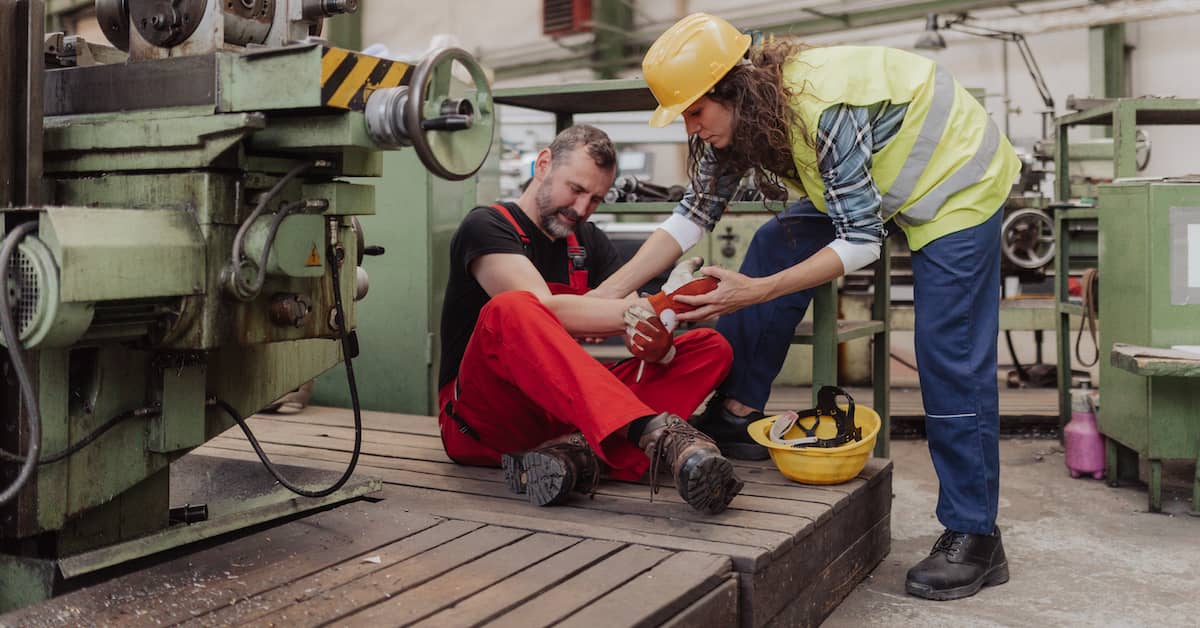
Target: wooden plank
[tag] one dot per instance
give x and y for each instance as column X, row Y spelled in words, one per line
column 341, row 438
column 577, row 522
column 385, row 583
column 604, row 512
column 755, row 498
column 656, row 595
column 717, row 609
column 816, row 602
column 762, row 479
column 529, row 583
column 580, row 590
column 309, row 586
column 758, row 475
column 447, row 589
column 213, row 574
column 344, row 417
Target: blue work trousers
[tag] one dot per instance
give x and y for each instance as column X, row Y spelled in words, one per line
column 956, row 300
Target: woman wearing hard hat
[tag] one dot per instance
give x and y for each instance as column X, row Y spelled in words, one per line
column 865, row 134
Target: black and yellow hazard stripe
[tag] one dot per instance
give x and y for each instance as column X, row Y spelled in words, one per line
column 349, row 78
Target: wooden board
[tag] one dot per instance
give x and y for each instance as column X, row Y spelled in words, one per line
column 449, row 545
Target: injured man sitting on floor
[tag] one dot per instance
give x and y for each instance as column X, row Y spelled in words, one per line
column 517, row 390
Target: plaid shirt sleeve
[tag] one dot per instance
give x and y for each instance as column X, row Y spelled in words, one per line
column 847, row 138
column 706, row 208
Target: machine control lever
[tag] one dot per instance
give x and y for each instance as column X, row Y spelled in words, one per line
column 453, row 122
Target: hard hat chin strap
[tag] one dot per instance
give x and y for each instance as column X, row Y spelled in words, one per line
column 827, row 405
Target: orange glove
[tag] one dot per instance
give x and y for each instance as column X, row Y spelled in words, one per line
column 646, row 337
column 667, row 307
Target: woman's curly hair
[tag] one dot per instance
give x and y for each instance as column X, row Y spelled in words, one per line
column 763, row 121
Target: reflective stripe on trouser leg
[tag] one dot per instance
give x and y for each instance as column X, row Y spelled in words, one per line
column 957, row 301
column 761, row 334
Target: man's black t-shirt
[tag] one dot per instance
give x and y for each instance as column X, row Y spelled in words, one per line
column 484, row 231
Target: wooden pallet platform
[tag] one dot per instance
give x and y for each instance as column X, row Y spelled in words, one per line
column 448, row 545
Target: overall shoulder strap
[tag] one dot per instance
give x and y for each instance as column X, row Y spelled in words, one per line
column 513, row 221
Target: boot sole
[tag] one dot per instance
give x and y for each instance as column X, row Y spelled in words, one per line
column 514, row 475
column 547, row 479
column 707, row 483
column 994, row 576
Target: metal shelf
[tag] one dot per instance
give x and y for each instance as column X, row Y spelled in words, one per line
column 846, row 330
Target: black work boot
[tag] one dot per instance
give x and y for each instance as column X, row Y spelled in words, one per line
column 703, row 477
column 728, row 430
column 548, row 474
column 958, row 566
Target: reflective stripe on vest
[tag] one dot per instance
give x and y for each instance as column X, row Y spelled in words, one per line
column 927, row 141
column 968, row 174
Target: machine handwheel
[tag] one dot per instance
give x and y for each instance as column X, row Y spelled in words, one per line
column 448, row 125
column 1027, row 238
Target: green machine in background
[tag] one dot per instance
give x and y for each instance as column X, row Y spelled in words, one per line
column 181, row 247
column 1148, row 255
column 1149, row 298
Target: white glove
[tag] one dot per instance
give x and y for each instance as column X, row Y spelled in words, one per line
column 683, row 272
column 647, row 337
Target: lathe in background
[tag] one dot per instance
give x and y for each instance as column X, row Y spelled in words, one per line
column 181, row 247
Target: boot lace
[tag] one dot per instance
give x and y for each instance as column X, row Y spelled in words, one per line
column 670, row 442
column 950, row 542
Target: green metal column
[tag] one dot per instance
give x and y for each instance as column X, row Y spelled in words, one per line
column 825, row 341
column 1108, row 66
column 882, row 351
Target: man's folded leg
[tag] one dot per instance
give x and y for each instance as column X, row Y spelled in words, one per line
column 702, row 359
column 525, row 385
column 524, row 381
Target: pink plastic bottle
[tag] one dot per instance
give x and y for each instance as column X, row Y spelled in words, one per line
column 1081, row 438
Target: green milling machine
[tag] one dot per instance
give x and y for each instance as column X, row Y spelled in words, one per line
column 180, row 247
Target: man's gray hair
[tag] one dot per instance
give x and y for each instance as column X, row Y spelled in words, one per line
column 597, row 143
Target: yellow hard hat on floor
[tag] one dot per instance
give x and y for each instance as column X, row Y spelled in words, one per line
column 830, row 449
column 687, row 60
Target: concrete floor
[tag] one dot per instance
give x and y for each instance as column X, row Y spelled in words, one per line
column 1080, row 553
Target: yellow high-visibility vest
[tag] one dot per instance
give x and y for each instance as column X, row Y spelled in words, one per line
column 948, row 167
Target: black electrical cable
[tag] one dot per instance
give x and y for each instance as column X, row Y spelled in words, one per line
column 1022, row 374
column 262, row 204
column 13, row 342
column 86, row 440
column 276, row 221
column 346, row 353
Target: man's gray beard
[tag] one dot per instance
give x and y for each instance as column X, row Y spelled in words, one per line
column 554, row 227
column 547, row 216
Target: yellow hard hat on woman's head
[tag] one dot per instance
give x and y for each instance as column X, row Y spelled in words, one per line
column 687, row 60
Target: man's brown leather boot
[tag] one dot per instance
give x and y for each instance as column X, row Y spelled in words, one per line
column 703, row 477
column 548, row 474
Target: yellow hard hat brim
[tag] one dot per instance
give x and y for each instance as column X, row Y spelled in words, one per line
column 666, row 115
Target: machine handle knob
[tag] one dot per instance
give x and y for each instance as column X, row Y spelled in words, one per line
column 453, row 122
column 374, row 249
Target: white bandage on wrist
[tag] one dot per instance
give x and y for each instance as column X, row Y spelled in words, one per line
column 685, row 232
column 855, row 255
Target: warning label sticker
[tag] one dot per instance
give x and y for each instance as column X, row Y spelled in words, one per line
column 314, row 257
